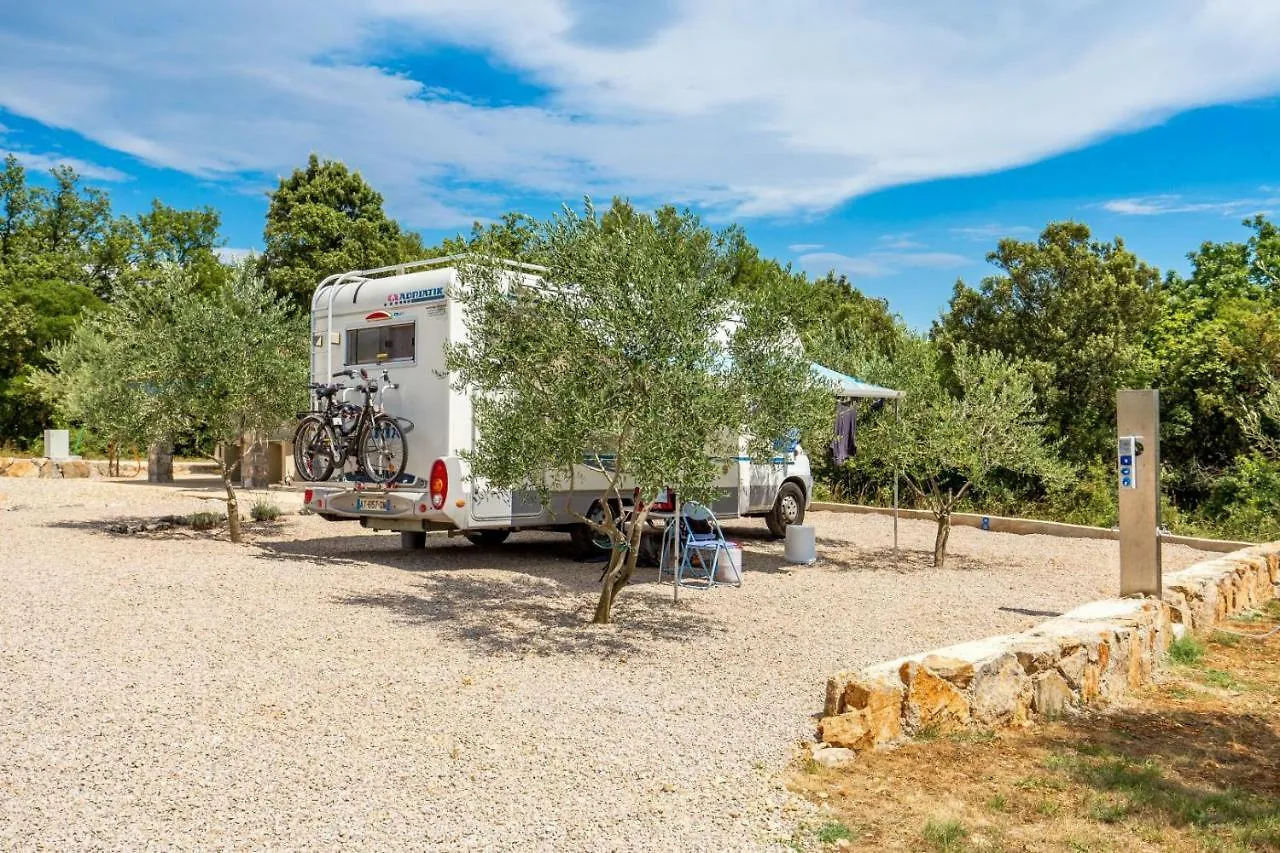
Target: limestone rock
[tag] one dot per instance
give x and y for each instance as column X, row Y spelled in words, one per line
column 849, row 730
column 932, row 701
column 834, row 756
column 1071, row 666
column 1037, row 655
column 831, row 705
column 23, row 468
column 1001, row 692
column 76, row 469
column 958, row 672
column 881, row 702
column 1050, row 694
column 1091, row 683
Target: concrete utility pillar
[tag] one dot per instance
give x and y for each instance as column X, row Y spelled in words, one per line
column 254, row 464
column 1138, row 479
column 160, row 462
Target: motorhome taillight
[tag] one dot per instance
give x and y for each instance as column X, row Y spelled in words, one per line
column 664, row 502
column 439, row 483
column 308, row 495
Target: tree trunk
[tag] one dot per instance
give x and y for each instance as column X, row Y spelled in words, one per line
column 622, row 565
column 608, row 588
column 940, row 543
column 233, row 505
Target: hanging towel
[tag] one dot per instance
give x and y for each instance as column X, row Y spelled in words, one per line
column 846, row 441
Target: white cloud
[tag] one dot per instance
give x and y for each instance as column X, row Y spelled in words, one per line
column 1158, row 205
column 765, row 108
column 990, row 231
column 878, row 264
column 900, row 241
column 230, row 255
column 44, row 162
column 805, row 247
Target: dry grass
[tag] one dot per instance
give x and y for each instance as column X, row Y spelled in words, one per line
column 1192, row 763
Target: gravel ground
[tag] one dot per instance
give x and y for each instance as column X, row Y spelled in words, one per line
column 319, row 688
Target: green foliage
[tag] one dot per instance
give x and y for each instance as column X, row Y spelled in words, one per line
column 61, row 255
column 946, row 836
column 167, row 360
column 326, row 219
column 205, row 520
column 833, row 831
column 633, row 345
column 956, row 429
column 1186, row 650
column 264, row 510
column 1078, row 313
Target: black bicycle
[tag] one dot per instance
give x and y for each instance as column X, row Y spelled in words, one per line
column 325, row 440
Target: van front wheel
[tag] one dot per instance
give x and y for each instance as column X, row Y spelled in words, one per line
column 788, row 509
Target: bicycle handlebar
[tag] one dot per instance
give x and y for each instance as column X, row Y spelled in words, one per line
column 369, row 386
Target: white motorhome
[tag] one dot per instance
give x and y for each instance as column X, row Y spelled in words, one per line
column 400, row 319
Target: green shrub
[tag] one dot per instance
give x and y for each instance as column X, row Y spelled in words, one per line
column 264, row 510
column 945, row 835
column 205, row 520
column 1186, row 650
column 1244, row 502
column 834, row 831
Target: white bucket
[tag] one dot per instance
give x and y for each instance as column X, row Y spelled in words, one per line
column 802, row 544
column 729, row 568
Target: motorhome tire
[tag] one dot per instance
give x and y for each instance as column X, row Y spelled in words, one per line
column 487, row 538
column 587, row 543
column 788, row 509
column 311, row 456
column 413, row 540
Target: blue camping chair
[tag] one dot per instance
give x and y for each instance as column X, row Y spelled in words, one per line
column 702, row 544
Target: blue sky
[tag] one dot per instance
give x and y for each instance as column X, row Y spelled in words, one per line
column 893, row 142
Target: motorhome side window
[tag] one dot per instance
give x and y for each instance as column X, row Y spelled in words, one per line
column 374, row 344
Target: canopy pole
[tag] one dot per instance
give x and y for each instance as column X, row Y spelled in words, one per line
column 897, row 414
column 675, row 546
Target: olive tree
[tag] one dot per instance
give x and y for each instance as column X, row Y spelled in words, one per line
column 90, row 387
column 169, row 359
column 957, row 430
column 631, row 355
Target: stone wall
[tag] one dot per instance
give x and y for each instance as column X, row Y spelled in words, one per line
column 1093, row 654
column 49, row 469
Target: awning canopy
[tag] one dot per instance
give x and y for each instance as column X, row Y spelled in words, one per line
column 847, row 386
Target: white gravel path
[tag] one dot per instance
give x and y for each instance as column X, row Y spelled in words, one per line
column 322, row 689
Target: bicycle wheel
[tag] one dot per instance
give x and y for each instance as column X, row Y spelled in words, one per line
column 383, row 450
column 312, row 449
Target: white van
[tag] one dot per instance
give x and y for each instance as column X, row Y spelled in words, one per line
column 400, row 319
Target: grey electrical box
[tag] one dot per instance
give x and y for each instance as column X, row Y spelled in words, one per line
column 57, row 444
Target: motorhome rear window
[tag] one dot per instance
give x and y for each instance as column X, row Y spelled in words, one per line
column 373, row 344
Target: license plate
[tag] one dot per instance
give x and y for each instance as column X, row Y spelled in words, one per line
column 372, row 504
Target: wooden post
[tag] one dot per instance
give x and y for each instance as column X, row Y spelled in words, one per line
column 1138, row 480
